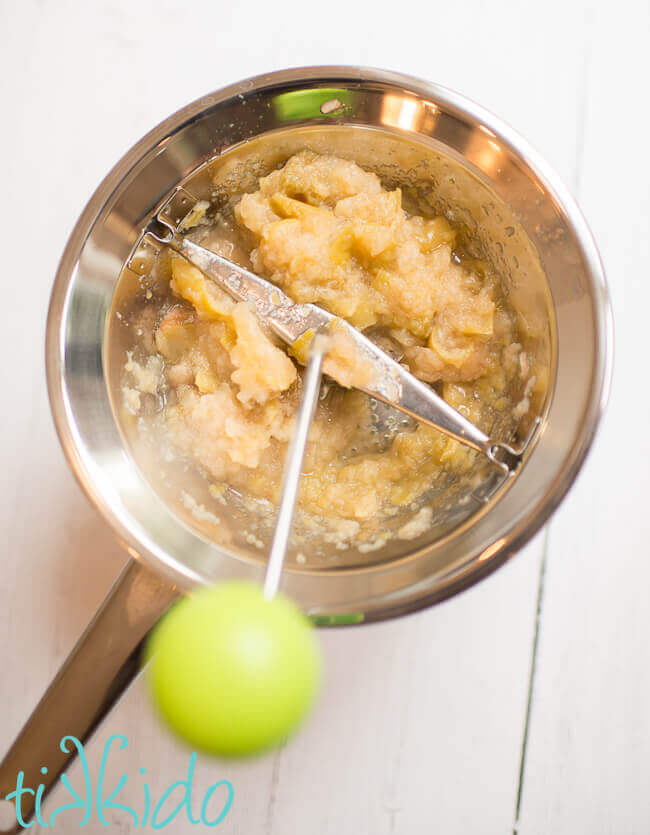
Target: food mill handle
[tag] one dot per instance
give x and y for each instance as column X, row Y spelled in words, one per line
column 100, row 667
column 293, row 466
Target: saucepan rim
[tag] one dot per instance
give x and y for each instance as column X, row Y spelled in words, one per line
column 522, row 529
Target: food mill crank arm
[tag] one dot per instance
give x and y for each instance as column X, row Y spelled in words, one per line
column 390, row 382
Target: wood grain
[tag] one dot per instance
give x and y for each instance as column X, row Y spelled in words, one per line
column 421, row 723
column 589, row 741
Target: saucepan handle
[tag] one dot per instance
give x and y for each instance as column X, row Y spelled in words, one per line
column 98, row 670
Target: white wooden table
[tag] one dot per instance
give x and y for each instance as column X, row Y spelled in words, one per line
column 522, row 705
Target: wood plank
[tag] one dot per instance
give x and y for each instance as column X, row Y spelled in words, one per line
column 420, row 724
column 413, row 713
column 589, row 739
column 420, row 727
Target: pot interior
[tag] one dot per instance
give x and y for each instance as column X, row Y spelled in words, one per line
column 448, row 156
column 433, row 181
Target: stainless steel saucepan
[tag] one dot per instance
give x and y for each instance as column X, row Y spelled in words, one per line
column 447, row 154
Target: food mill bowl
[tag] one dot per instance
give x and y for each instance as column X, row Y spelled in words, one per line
column 444, row 150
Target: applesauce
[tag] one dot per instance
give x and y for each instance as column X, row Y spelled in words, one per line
column 329, row 232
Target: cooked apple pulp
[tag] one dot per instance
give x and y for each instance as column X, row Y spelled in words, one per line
column 326, row 231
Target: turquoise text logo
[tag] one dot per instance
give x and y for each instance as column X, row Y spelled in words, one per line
column 215, row 804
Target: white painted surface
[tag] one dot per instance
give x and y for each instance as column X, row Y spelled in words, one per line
column 421, row 724
column 589, row 744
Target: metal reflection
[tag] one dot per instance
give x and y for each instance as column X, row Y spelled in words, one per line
column 317, row 102
column 408, row 113
column 485, row 154
column 492, row 549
